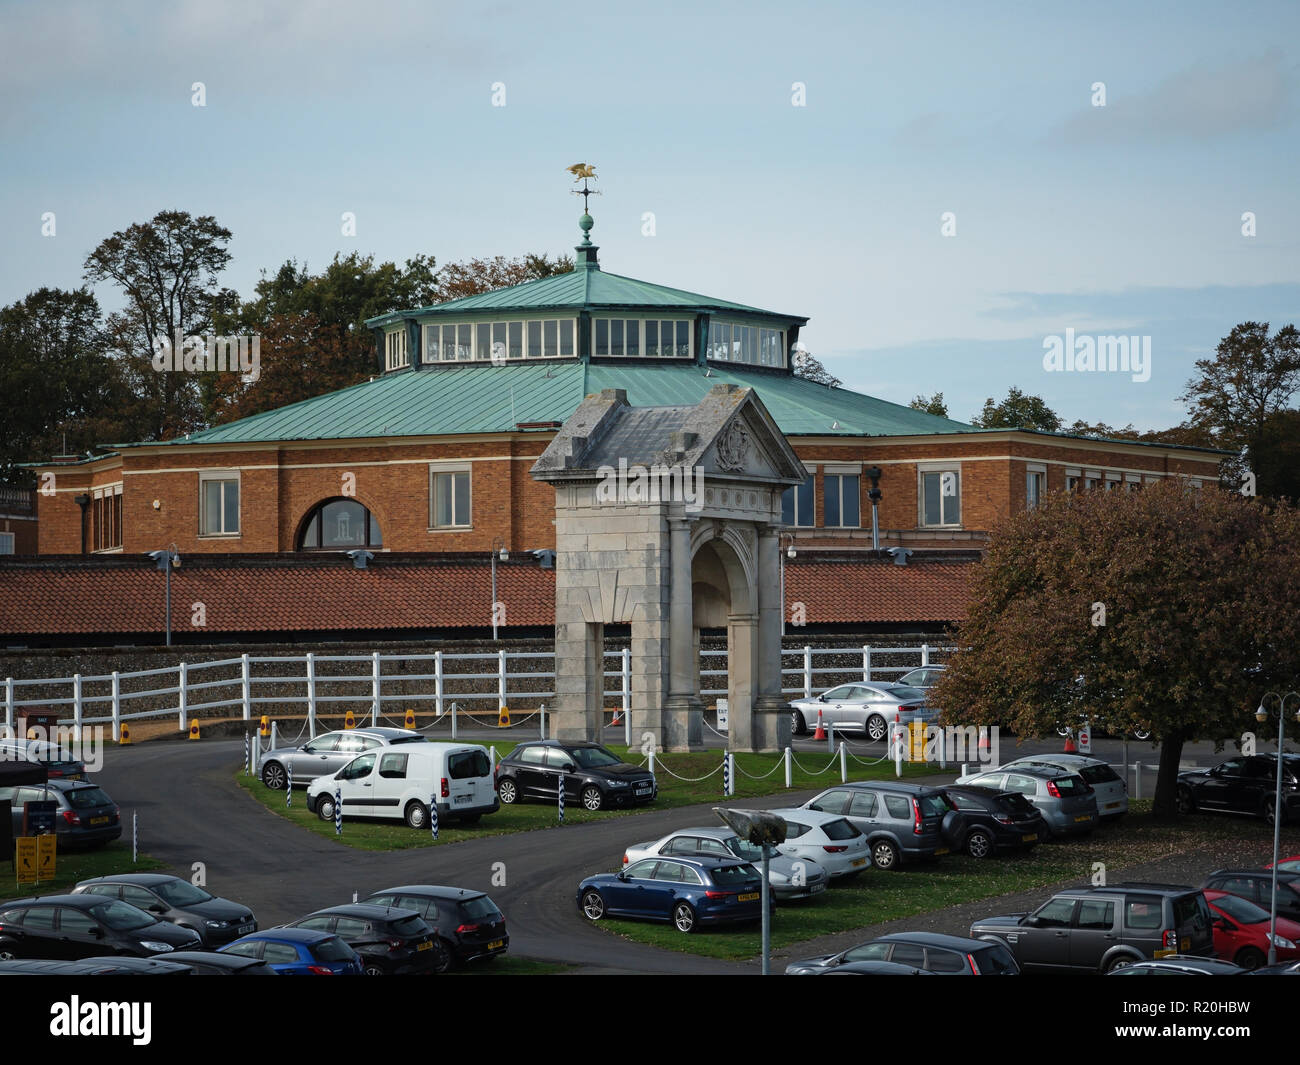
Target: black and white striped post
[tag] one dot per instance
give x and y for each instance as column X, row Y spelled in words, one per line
column 726, row 772
column 560, row 792
column 288, row 783
column 338, row 809
column 248, row 757
column 433, row 816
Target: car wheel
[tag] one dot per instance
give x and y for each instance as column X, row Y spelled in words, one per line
column 1186, row 801
column 593, row 906
column 7, row 950
column 684, row 917
column 1250, row 958
column 979, row 844
column 417, row 815
column 507, row 792
column 1122, row 962
column 443, row 957
column 371, row 968
column 884, row 854
column 273, row 776
column 877, row 729
column 325, row 807
column 798, row 726
column 591, row 797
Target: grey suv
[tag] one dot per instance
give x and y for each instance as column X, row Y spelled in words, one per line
column 1104, row 929
column 902, row 822
column 328, row 753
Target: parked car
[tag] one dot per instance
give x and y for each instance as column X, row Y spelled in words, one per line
column 861, row 707
column 399, row 783
column 390, row 940
column 214, row 963
column 298, row 952
column 1286, row 865
column 993, row 820
column 59, row 763
column 923, row 678
column 329, row 752
column 114, row 966
column 1256, row 886
column 1241, row 931
column 86, row 816
column 469, row 924
column 1245, row 785
column 1177, row 965
column 928, row 951
column 689, row 892
column 1285, row 968
column 832, row 841
column 69, row 927
column 874, row 968
column 169, row 898
column 1111, row 788
column 593, row 776
column 902, row 822
column 1101, row 929
column 1066, row 801
column 788, row 878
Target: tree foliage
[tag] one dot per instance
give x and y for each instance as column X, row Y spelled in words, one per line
column 1197, row 591
column 931, row 405
column 809, row 367
column 1017, row 411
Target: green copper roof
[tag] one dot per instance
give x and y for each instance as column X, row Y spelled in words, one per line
column 493, row 399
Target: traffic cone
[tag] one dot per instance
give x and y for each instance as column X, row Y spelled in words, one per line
column 1070, row 748
column 410, row 719
column 124, row 734
column 984, row 740
column 616, row 718
column 820, row 734
column 194, row 729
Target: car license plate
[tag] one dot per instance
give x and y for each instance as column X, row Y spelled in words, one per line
column 858, row 861
column 1112, row 806
column 99, row 820
column 464, row 798
column 1163, row 953
column 643, row 791
column 426, row 945
column 748, row 897
column 1029, row 837
column 813, row 889
column 496, row 944
column 1083, row 817
column 244, row 929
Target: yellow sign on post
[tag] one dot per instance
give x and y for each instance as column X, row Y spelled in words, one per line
column 47, row 848
column 25, row 859
column 916, row 738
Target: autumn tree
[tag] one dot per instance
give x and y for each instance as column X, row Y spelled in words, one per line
column 1017, row 411
column 931, row 405
column 1168, row 608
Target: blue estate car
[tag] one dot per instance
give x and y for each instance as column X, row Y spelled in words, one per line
column 687, row 891
column 298, row 952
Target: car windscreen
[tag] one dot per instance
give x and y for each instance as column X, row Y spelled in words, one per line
column 409, row 926
column 479, row 908
column 742, row 848
column 85, row 798
column 1241, row 910
column 840, row 829
column 332, row 949
column 179, row 893
column 731, row 875
column 121, row 916
column 594, row 757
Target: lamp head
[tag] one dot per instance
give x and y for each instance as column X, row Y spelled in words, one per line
column 790, row 552
column 1261, row 715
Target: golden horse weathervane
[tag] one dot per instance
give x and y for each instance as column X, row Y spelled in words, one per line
column 582, row 172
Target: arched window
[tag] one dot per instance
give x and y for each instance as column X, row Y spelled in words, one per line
column 339, row 525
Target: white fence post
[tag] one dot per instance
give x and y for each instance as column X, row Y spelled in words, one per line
column 311, row 694
column 76, row 707
column 437, row 680
column 866, row 663
column 788, row 769
column 117, row 707
column 807, row 672
column 245, row 681
column 183, row 695
column 374, row 689
column 925, row 655
column 9, row 704
column 844, row 763
column 501, row 680
column 626, row 667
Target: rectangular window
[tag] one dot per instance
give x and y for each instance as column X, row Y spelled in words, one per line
column 632, row 342
column 464, row 342
column 842, row 500
column 483, row 340
column 616, row 336
column 1035, row 485
column 432, row 343
column 550, row 334
column 534, row 340
column 721, row 340
column 6, row 543
column 218, row 505
column 395, row 355
column 450, row 495
column 448, row 343
column 797, row 504
column 602, row 337
column 941, row 497
column 566, row 337
column 652, row 338
column 1071, row 483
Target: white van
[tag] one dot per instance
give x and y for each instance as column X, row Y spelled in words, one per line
column 398, row 782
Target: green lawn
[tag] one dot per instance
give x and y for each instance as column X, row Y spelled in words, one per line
column 74, row 866
column 377, row 834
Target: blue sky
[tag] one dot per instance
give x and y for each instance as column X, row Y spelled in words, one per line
column 1117, row 219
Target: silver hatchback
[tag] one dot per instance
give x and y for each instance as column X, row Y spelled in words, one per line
column 328, row 753
column 1111, row 788
column 1067, row 802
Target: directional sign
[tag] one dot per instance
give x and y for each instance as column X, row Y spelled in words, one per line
column 46, row 850
column 25, row 859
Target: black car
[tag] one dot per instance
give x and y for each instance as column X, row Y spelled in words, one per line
column 594, row 776
column 1256, row 885
column 929, row 951
column 902, row 822
column 468, row 922
column 392, row 941
column 114, row 966
column 212, row 963
column 70, row 927
column 1246, row 785
column 992, row 820
column 216, row 921
column 85, row 816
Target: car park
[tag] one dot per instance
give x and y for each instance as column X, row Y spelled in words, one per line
column 1177, row 965
column 868, row 708
column 830, row 840
column 788, row 878
column 298, row 952
column 85, row 815
column 70, row 927
column 1241, row 931
column 214, row 963
column 594, row 777
column 59, row 763
column 689, row 892
column 928, row 951
column 470, row 925
column 992, row 820
column 329, row 752
column 169, row 898
column 391, row 941
column 399, row 783
column 1256, row 886
column 1243, row 785
column 902, row 822
column 1111, row 788
column 1066, row 801
column 1102, row 928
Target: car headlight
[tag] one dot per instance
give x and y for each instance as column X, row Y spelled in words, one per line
column 157, row 946
column 216, row 924
column 777, row 878
column 618, row 783
column 1285, row 944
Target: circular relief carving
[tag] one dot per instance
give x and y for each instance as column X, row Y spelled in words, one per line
column 733, row 447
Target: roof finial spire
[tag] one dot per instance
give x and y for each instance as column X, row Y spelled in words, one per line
column 586, row 250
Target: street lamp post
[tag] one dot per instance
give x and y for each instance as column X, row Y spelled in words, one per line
column 167, row 560
column 789, row 552
column 874, row 495
column 498, row 551
column 1261, row 715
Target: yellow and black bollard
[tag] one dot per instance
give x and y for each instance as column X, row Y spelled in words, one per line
column 350, row 721
column 503, row 721
column 194, row 729
column 410, row 719
column 265, row 728
column 124, row 734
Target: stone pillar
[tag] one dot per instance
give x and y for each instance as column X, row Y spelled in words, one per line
column 742, row 654
column 683, row 719
column 771, row 726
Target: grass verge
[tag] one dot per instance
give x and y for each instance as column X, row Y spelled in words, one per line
column 72, row 867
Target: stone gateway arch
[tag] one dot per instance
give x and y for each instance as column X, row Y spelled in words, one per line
column 667, row 520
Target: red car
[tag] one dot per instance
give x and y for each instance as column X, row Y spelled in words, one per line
column 1287, row 865
column 1241, row 931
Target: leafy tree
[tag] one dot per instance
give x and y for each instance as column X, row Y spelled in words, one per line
column 1198, row 589
column 809, row 367
column 931, row 405
column 167, row 269
column 472, row 276
column 1017, row 411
